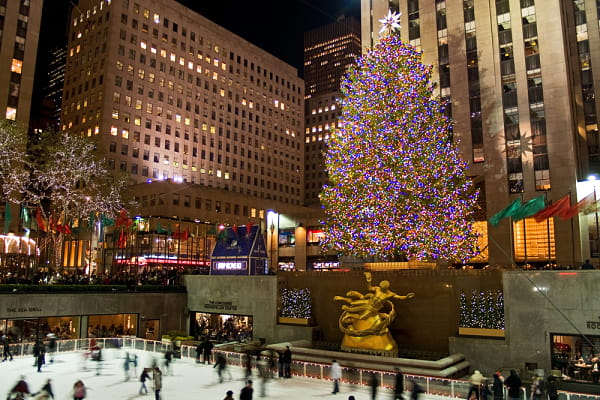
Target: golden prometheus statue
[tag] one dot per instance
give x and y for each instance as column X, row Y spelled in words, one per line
column 366, row 317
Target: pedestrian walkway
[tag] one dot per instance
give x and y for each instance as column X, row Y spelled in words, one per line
column 188, row 380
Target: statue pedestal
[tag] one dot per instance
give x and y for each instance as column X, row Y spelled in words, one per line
column 383, row 344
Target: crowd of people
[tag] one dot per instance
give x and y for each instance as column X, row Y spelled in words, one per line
column 482, row 388
column 77, row 277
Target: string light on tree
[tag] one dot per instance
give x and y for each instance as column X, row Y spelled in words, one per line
column 398, row 184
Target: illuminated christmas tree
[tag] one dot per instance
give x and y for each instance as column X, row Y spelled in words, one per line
column 398, row 184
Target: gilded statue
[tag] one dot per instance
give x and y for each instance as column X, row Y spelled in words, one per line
column 365, row 319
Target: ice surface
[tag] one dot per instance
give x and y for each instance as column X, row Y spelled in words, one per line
column 188, row 380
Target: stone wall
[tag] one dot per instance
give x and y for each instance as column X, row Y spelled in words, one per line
column 256, row 296
column 422, row 323
column 536, row 305
column 169, row 308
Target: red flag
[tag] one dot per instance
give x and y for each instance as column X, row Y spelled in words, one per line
column 249, row 227
column 553, row 209
column 122, row 219
column 40, row 220
column 573, row 211
column 185, row 234
column 122, row 240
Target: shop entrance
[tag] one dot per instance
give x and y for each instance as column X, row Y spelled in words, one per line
column 221, row 328
column 112, row 325
column 576, row 356
column 152, row 329
column 31, row 329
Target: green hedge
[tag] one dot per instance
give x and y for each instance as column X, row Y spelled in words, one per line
column 89, row 288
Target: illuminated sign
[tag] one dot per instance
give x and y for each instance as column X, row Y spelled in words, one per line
column 229, row 265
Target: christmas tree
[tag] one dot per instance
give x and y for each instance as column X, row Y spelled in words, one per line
column 397, row 182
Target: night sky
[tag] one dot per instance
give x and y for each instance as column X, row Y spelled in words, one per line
column 276, row 26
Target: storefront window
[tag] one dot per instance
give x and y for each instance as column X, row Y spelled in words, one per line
column 315, row 236
column 574, row 356
column 112, row 325
column 30, row 329
column 287, row 237
column 222, row 328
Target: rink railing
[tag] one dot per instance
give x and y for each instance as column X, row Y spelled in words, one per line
column 443, row 387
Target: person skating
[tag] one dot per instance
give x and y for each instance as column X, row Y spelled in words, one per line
column 79, row 390
column 336, row 375
column 246, row 392
column 221, row 366
column 207, row 350
column 45, row 392
column 157, row 378
column 20, row 390
column 126, row 366
column 143, row 378
column 6, row 348
column 168, row 361
column 287, row 362
column 399, row 386
column 416, row 391
column 374, row 384
column 39, row 352
column 51, row 346
column 264, row 373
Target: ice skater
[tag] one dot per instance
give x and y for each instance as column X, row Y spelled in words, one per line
column 45, row 392
column 168, row 361
column 221, row 366
column 143, row 377
column 157, row 378
column 126, row 366
column 6, row 348
column 20, row 390
column 79, row 390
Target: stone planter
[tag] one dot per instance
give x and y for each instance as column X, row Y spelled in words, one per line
column 499, row 333
column 295, row 321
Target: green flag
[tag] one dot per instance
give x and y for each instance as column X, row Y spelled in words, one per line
column 25, row 216
column 7, row 217
column 505, row 213
column 160, row 229
column 529, row 208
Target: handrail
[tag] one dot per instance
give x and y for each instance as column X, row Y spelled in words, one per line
column 446, row 387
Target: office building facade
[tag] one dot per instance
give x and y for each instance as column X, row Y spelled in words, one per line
column 170, row 95
column 19, row 34
column 517, row 77
column 328, row 51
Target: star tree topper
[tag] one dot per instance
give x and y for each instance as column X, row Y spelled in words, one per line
column 390, row 22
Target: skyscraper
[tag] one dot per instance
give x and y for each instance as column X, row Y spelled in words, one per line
column 19, row 32
column 170, row 95
column 328, row 51
column 517, row 76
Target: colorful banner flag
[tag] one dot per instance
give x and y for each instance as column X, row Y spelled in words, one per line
column 7, row 217
column 530, row 208
column 39, row 219
column 553, row 209
column 505, row 213
column 573, row 211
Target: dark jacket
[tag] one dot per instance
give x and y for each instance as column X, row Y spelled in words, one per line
column 246, row 393
column 513, row 383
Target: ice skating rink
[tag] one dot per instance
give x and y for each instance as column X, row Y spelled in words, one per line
column 187, row 380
